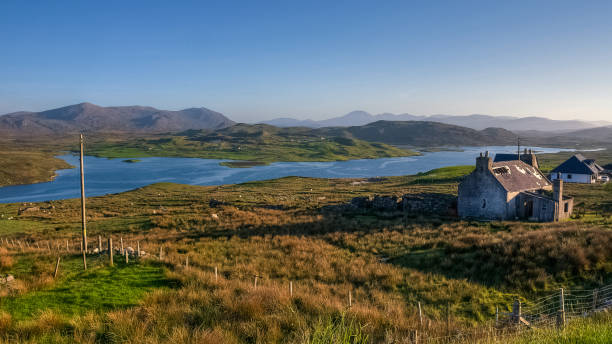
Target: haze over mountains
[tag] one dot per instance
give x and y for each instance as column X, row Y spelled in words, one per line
column 89, row 117
column 478, row 122
column 387, row 128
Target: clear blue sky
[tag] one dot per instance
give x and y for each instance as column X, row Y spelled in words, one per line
column 306, row 59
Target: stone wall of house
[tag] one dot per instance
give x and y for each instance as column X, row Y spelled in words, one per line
column 481, row 195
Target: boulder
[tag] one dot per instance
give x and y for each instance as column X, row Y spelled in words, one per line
column 385, row 203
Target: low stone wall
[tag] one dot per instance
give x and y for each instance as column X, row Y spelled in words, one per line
column 422, row 203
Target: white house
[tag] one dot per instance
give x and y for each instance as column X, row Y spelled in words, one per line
column 577, row 169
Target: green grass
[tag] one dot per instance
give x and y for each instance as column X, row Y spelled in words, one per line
column 259, row 144
column 100, row 288
column 592, row 330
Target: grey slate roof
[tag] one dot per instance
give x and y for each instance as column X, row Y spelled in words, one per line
column 528, row 157
column 578, row 164
column 517, row 176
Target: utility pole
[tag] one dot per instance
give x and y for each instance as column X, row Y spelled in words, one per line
column 83, row 221
column 518, row 147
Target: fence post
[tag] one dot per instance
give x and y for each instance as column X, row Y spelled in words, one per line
column 291, row 288
column 110, row 250
column 350, row 297
column 56, row 267
column 594, row 299
column 561, row 315
column 216, row 276
column 84, row 260
column 125, row 253
column 496, row 316
column 186, row 262
column 161, row 252
column 516, row 311
column 255, row 283
column 420, row 315
column 99, row 244
column 138, row 249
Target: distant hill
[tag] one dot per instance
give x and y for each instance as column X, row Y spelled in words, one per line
column 603, row 134
column 422, row 134
column 478, row 122
column 92, row 118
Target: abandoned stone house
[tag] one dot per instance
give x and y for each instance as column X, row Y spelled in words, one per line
column 511, row 189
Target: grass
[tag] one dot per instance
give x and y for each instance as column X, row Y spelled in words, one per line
column 248, row 144
column 76, row 292
column 27, row 167
column 280, row 231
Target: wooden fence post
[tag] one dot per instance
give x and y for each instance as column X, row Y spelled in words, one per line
column 125, row 253
column 496, row 316
column 161, row 252
column 84, row 260
column 216, row 275
column 56, row 267
column 516, row 311
column 561, row 315
column 121, row 240
column 420, row 316
column 291, row 288
column 255, row 283
column 110, row 250
column 594, row 299
column 187, row 262
column 138, row 249
column 67, row 246
column 350, row 298
column 99, row 244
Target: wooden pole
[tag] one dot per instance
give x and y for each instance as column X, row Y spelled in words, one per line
column 138, row 249
column 291, row 288
column 187, row 262
column 110, row 250
column 216, row 275
column 121, row 239
column 161, row 252
column 99, row 244
column 67, row 246
column 594, row 299
column 561, row 316
column 84, row 260
column 125, row 253
column 420, row 315
column 496, row 315
column 56, row 267
column 83, row 219
column 350, row 299
column 255, row 283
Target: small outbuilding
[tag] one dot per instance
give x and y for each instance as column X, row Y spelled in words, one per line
column 578, row 169
column 509, row 190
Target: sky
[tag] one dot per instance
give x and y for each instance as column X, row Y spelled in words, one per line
column 258, row 60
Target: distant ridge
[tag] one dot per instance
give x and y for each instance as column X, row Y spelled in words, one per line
column 478, row 122
column 422, row 134
column 93, row 118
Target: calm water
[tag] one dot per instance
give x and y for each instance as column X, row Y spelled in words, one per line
column 104, row 176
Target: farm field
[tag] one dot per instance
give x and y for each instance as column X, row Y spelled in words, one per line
column 289, row 255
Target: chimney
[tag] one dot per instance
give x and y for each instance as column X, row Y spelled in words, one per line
column 558, row 189
column 484, row 163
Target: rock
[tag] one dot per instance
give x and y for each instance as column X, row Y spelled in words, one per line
column 361, row 202
column 215, row 216
column 7, row 279
column 130, row 250
column 96, row 250
column 213, row 203
column 385, row 203
column 27, row 210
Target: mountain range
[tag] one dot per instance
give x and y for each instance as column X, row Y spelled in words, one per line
column 86, row 117
column 478, row 122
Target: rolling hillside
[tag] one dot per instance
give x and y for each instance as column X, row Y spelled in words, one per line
column 423, row 134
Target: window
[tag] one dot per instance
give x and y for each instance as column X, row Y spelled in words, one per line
column 484, row 203
column 566, row 207
column 569, row 176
